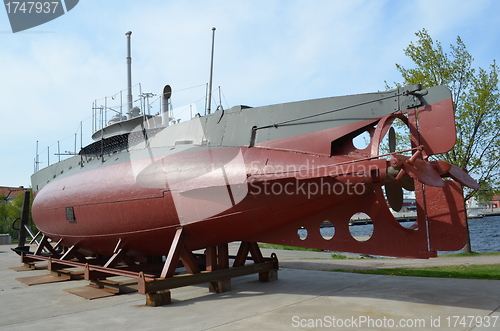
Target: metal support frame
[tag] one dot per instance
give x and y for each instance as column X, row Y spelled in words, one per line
column 243, row 251
column 72, row 252
column 119, row 255
column 34, row 238
column 158, row 284
column 218, row 259
column 178, row 251
column 46, row 245
column 153, row 278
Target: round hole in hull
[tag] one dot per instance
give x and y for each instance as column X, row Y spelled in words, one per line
column 327, row 230
column 361, row 230
column 302, row 233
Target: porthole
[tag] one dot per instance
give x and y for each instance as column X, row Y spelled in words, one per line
column 327, row 230
column 302, row 233
column 361, row 231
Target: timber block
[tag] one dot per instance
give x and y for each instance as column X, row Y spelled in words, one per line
column 30, row 265
column 159, row 298
column 121, row 287
column 268, row 276
column 68, row 274
column 220, row 286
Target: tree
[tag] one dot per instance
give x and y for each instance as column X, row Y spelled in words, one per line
column 476, row 98
column 3, row 214
column 10, row 211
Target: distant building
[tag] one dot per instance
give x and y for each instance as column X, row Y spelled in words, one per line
column 9, row 193
column 495, row 202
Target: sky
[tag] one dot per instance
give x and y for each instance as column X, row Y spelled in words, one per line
column 266, row 52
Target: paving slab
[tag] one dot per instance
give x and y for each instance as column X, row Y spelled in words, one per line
column 299, row 299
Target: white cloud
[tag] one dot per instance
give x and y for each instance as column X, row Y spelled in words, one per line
column 266, row 52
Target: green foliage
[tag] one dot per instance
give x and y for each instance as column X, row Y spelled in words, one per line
column 3, row 213
column 10, row 211
column 476, row 98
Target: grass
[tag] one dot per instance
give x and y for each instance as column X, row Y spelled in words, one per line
column 288, row 248
column 486, row 271
column 469, row 254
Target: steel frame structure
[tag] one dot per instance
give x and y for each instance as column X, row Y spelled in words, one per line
column 153, row 276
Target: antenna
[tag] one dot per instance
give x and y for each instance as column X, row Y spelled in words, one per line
column 37, row 158
column 211, row 73
column 129, row 71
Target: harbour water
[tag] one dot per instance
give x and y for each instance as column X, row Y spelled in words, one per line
column 484, row 233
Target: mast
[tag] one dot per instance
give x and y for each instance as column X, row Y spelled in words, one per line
column 211, row 72
column 129, row 72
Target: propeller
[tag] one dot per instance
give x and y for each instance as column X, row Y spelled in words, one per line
column 431, row 173
column 394, row 189
column 404, row 170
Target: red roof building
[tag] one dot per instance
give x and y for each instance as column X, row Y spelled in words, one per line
column 495, row 201
column 10, row 193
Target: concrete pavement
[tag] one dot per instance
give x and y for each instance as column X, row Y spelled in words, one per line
column 299, row 299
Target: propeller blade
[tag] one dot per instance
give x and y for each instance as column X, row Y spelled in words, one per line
column 461, row 176
column 392, row 140
column 394, row 194
column 407, row 182
column 441, row 166
column 421, row 170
